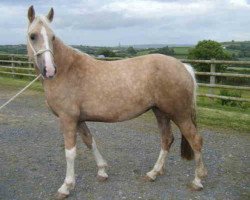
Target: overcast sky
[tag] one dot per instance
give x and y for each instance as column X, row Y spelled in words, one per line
column 110, row 22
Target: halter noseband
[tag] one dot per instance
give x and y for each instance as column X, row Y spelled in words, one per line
column 39, row 52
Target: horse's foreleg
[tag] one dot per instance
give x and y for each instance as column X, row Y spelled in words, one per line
column 69, row 133
column 91, row 144
column 166, row 141
column 189, row 131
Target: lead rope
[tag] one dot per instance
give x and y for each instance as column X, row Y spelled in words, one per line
column 20, row 92
column 36, row 53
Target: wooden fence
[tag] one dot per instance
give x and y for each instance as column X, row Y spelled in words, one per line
column 14, row 65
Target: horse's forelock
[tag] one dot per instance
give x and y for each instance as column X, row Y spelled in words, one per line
column 38, row 19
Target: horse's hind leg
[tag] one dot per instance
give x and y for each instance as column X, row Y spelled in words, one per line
column 189, row 131
column 88, row 139
column 167, row 139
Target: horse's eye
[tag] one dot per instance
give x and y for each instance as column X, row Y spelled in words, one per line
column 32, row 36
column 53, row 37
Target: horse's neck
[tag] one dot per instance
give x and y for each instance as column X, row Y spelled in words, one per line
column 64, row 56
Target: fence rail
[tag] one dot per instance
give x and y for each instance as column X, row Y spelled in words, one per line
column 212, row 61
column 223, row 74
column 28, row 67
column 224, row 86
column 15, row 61
column 224, row 97
column 22, row 68
column 19, row 74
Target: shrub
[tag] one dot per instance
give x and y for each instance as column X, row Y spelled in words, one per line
column 206, row 50
column 229, row 102
column 164, row 50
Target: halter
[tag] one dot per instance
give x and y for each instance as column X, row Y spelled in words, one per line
column 39, row 52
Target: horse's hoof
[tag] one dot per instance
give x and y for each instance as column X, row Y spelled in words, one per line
column 102, row 178
column 146, row 178
column 60, row 196
column 194, row 187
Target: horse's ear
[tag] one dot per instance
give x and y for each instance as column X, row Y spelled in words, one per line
column 50, row 15
column 31, row 14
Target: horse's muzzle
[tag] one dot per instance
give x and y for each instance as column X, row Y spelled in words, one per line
column 49, row 72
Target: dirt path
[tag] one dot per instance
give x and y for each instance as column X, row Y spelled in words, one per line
column 32, row 164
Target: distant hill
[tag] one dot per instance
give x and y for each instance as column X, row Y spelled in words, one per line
column 156, row 46
column 13, row 49
column 239, row 49
column 226, row 44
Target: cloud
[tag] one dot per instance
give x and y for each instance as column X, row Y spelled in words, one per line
column 109, row 22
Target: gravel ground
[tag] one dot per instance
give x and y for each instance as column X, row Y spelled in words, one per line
column 32, row 163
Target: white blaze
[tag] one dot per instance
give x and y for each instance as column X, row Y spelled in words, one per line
column 50, row 68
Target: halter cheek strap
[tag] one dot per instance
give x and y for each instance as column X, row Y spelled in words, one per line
column 39, row 52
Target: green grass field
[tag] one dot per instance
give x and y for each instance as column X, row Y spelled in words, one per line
column 181, row 50
column 211, row 114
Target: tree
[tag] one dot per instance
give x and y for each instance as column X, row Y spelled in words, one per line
column 206, row 50
column 164, row 50
column 131, row 51
column 106, row 52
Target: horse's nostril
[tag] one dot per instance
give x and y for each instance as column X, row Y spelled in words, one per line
column 55, row 70
column 44, row 71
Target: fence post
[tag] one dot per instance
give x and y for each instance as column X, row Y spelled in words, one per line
column 12, row 65
column 212, row 78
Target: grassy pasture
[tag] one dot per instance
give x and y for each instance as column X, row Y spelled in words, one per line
column 181, row 50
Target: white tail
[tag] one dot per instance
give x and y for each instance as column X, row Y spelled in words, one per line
column 191, row 71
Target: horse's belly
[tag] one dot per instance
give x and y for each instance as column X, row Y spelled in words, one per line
column 114, row 112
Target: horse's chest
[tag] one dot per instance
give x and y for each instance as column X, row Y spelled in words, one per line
column 61, row 103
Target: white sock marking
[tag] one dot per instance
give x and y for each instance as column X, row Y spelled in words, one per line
column 158, row 165
column 70, row 172
column 197, row 182
column 101, row 172
column 64, row 189
column 50, row 68
column 101, row 163
column 98, row 157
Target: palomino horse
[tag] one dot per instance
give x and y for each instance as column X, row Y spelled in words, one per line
column 79, row 88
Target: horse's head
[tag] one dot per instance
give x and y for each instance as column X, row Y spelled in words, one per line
column 40, row 42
